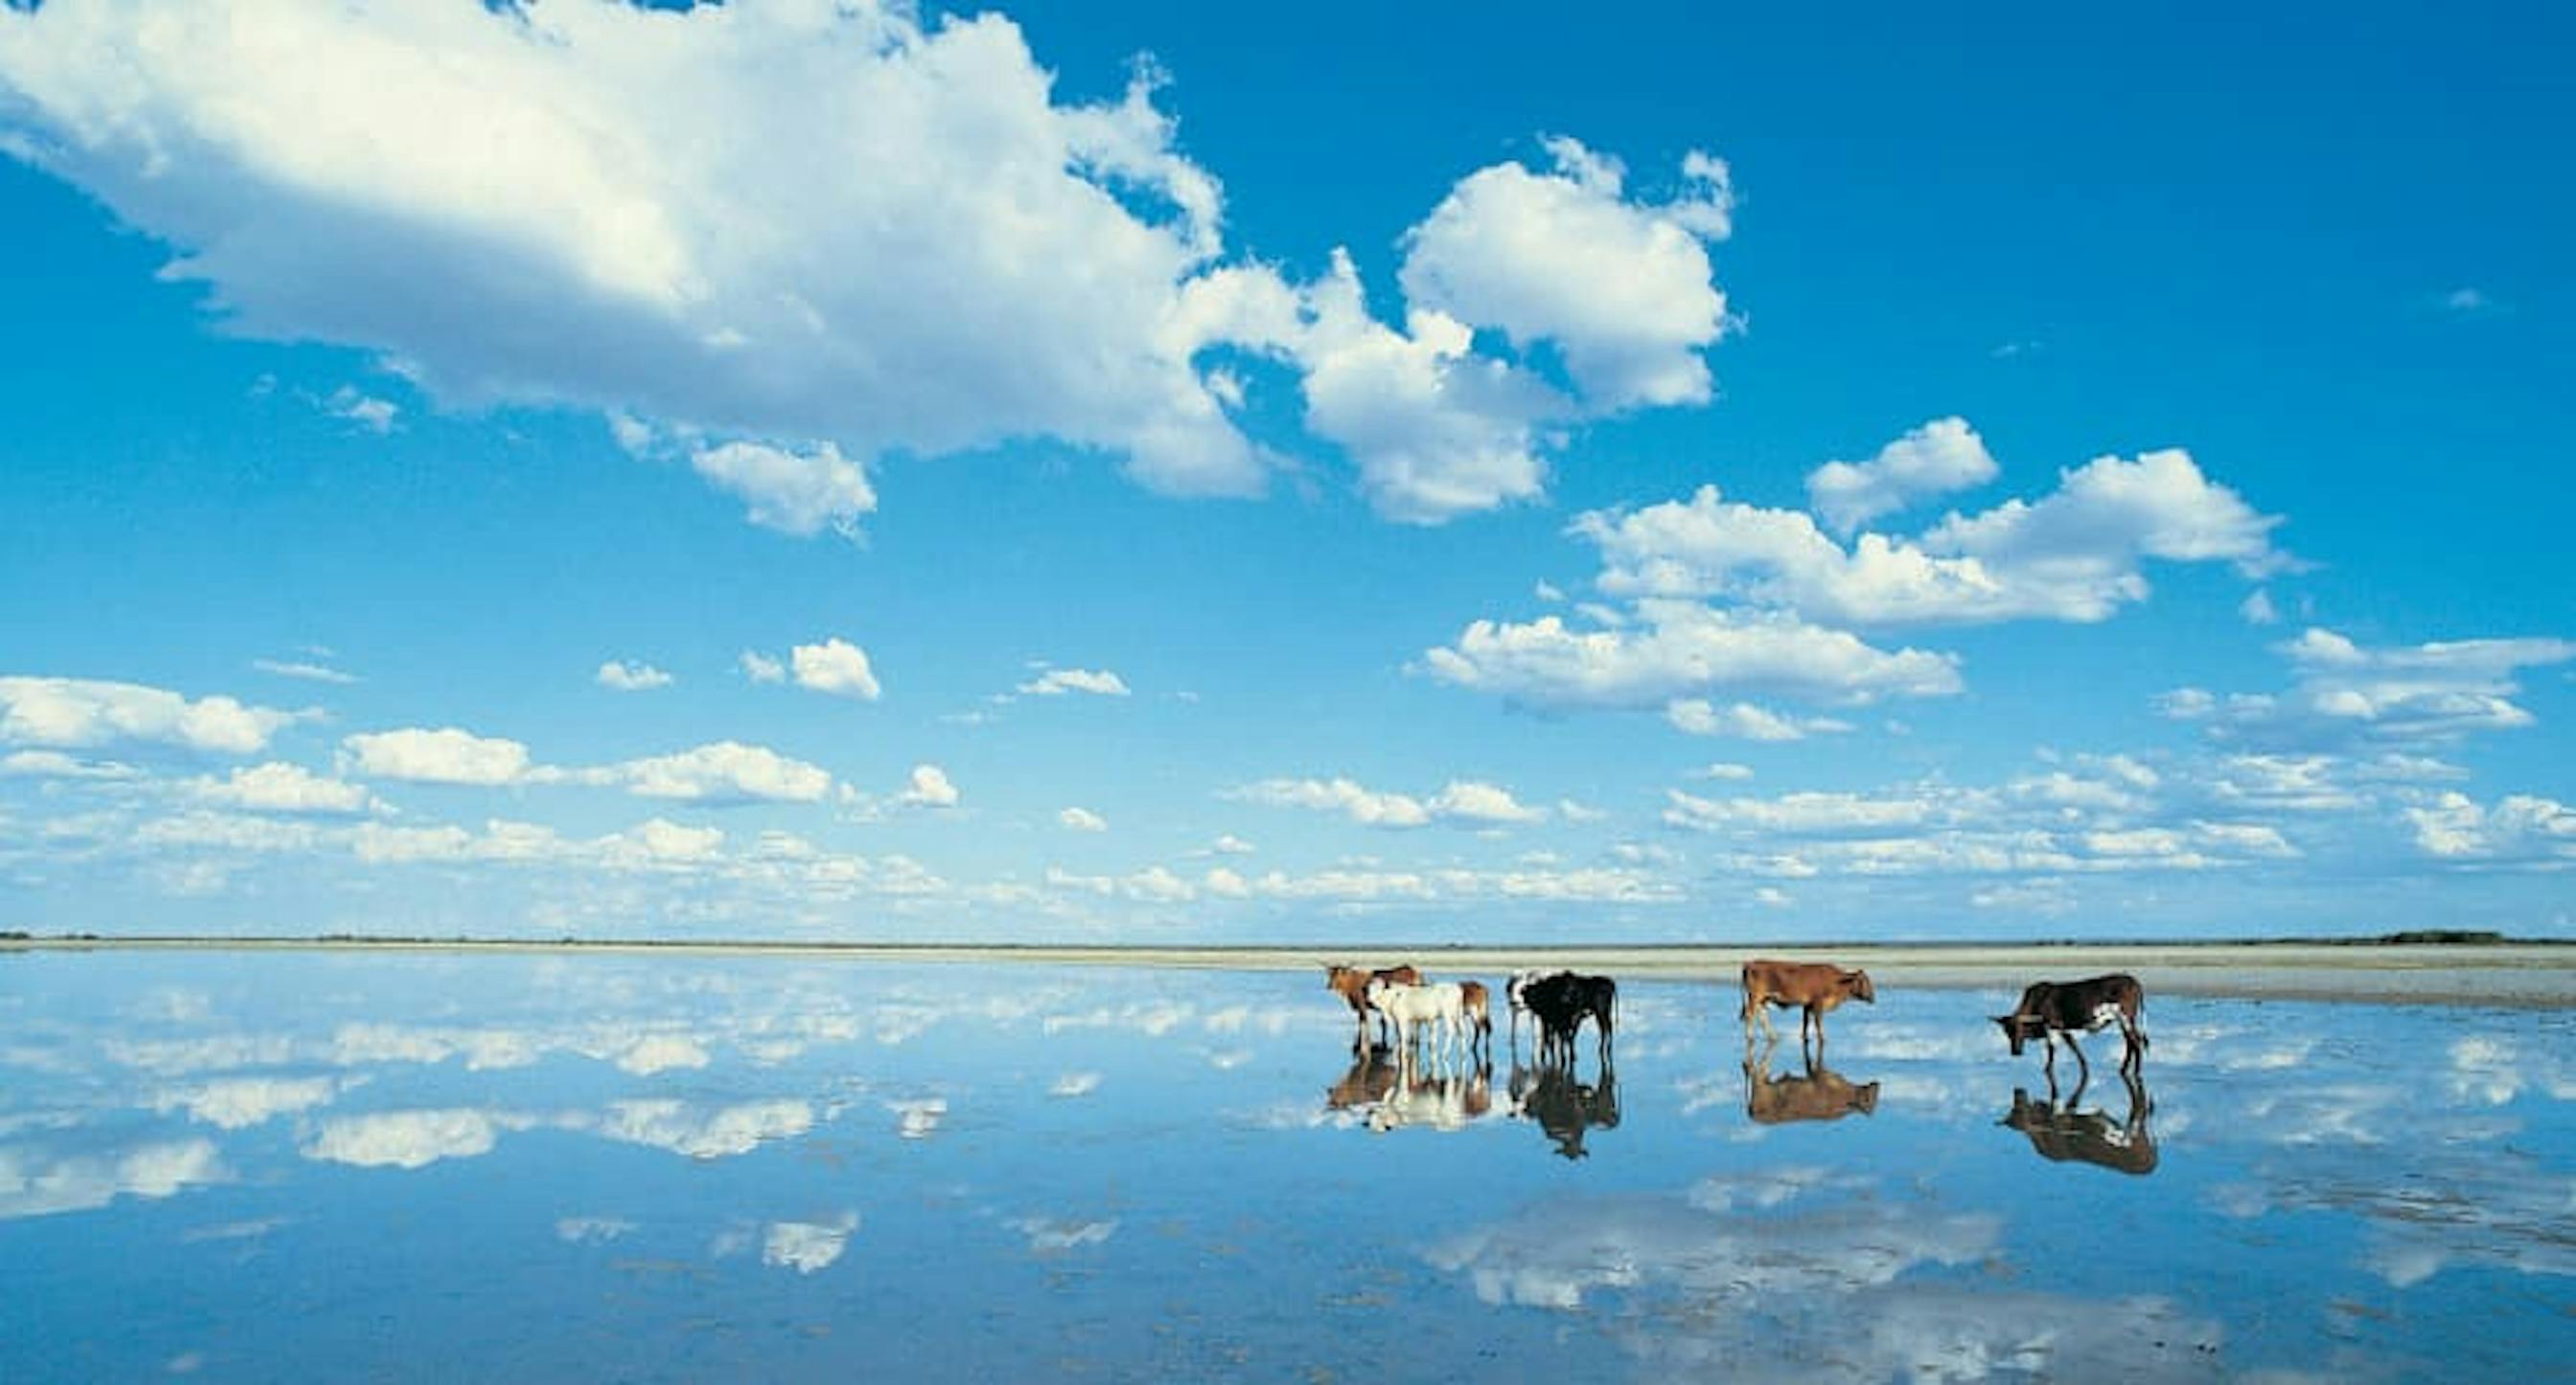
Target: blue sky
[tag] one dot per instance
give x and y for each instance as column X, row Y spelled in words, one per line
column 1121, row 472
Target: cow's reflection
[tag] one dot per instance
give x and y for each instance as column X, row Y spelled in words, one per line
column 1564, row 1106
column 1821, row 1095
column 1435, row 1096
column 2064, row 1130
column 1373, row 1074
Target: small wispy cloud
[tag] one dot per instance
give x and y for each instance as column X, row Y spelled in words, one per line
column 628, row 675
column 309, row 672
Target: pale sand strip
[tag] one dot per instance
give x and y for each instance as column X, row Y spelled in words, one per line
column 2541, row 975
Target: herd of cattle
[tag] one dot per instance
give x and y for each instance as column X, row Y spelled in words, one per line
column 1408, row 1030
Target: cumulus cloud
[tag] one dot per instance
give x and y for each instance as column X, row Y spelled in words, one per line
column 1744, row 721
column 835, row 666
column 722, row 772
column 409, row 1139
column 80, row 712
column 2519, row 828
column 627, row 675
column 1466, row 801
column 929, row 788
column 54, row 764
column 2076, row 554
column 1680, row 650
column 799, row 492
column 2344, row 694
column 807, row 1247
column 861, row 235
column 447, row 755
column 1056, row 682
column 278, row 787
column 1941, row 456
column 1082, row 820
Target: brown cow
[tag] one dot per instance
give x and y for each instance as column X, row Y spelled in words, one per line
column 1815, row 987
column 1480, row 1014
column 1351, row 984
column 1371, row 1077
column 1821, row 1095
column 2061, row 1132
column 2053, row 1008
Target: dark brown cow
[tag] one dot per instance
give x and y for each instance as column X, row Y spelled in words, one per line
column 1814, row 987
column 1822, row 1095
column 1351, row 984
column 1560, row 1003
column 2053, row 1008
column 2059, row 1133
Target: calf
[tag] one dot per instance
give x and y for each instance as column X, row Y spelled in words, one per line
column 1561, row 1002
column 1441, row 1003
column 1821, row 1095
column 2052, row 1008
column 1351, row 984
column 1815, row 987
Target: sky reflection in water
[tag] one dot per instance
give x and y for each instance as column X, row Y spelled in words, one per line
column 319, row 1166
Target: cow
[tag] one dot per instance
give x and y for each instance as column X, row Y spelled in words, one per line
column 1410, row 1007
column 1441, row 1100
column 2060, row 1132
column 1815, row 987
column 1560, row 1002
column 1480, row 1015
column 1516, row 993
column 1821, row 1095
column 1351, row 984
column 2052, row 1008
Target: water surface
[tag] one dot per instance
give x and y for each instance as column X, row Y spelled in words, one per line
column 337, row 1166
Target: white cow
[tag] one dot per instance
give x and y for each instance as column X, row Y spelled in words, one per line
column 1441, row 1003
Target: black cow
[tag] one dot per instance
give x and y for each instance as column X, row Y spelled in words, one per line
column 2051, row 1008
column 1560, row 1003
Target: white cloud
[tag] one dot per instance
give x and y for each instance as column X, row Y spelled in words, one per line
column 80, row 1182
column 1623, row 289
column 307, row 671
column 78, row 712
column 1941, row 456
column 350, row 405
column 2073, row 555
column 1082, row 820
column 54, row 764
column 1056, row 682
column 722, row 772
column 279, row 787
column 2345, row 693
column 1723, row 770
column 1743, row 720
column 854, row 229
column 444, row 756
column 760, row 668
column 835, row 666
column 703, row 1134
column 1461, row 800
column 1472, row 800
column 626, row 675
column 1229, row 844
column 929, row 788
column 1682, row 650
column 2258, row 608
column 1803, row 812
column 792, row 491
column 2519, row 828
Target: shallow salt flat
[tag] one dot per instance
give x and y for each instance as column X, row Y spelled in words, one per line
column 335, row 1166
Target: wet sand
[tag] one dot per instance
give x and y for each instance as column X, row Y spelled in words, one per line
column 2523, row 974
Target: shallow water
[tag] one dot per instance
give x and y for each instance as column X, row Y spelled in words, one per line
column 335, row 1167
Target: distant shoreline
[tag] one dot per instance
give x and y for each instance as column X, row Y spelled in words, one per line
column 2468, row 970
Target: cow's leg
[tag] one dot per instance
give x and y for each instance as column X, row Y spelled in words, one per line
column 2085, row 1067
column 2050, row 1065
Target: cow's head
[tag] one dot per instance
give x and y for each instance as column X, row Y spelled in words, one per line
column 2016, row 1029
column 1857, row 983
column 1865, row 1099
